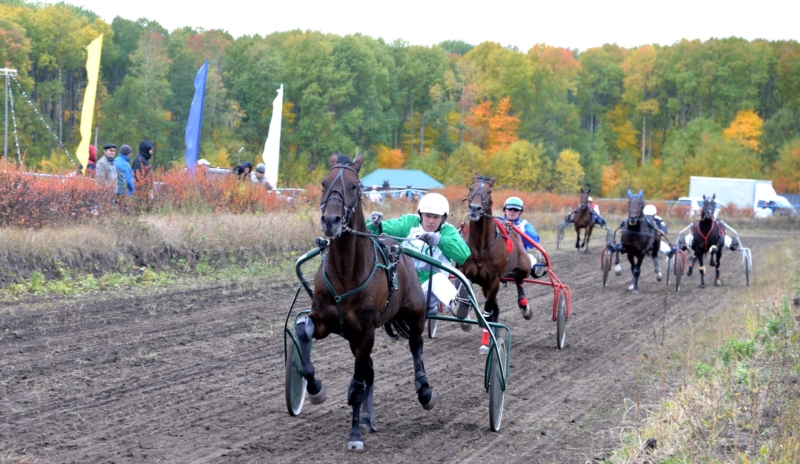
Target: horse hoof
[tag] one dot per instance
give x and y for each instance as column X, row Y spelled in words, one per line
column 466, row 327
column 618, row 270
column 527, row 312
column 718, row 282
column 355, row 445
column 319, row 397
column 431, row 403
column 689, row 271
column 659, row 277
column 483, row 350
column 630, row 287
column 635, row 292
column 702, row 285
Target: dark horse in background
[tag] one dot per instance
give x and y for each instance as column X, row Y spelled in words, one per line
column 708, row 236
column 583, row 219
column 354, row 295
column 495, row 252
column 637, row 239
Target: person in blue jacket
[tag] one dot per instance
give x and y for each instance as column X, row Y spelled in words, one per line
column 512, row 210
column 122, row 164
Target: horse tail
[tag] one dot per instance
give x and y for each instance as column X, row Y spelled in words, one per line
column 397, row 327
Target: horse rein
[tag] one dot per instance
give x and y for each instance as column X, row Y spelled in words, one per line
column 348, row 209
column 480, row 190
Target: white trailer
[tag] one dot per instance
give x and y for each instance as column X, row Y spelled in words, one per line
column 744, row 193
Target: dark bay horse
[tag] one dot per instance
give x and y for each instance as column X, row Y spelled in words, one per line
column 708, row 236
column 583, row 219
column 491, row 257
column 637, row 239
column 354, row 294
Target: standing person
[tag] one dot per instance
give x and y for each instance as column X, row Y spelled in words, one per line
column 259, row 176
column 105, row 170
column 141, row 164
column 125, row 185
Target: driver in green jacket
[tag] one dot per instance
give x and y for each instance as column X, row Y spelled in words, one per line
column 429, row 233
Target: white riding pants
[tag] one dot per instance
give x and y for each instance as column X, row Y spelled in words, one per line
column 442, row 288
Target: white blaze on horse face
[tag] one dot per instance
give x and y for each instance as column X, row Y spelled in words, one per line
column 431, row 222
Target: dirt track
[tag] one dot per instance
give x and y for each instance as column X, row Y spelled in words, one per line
column 196, row 375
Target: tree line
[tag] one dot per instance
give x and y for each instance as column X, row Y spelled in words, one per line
column 548, row 118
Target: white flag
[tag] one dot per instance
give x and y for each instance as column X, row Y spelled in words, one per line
column 273, row 144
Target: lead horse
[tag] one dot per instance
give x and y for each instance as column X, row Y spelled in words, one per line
column 708, row 236
column 495, row 253
column 637, row 239
column 358, row 289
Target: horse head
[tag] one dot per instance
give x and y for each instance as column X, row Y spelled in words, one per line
column 709, row 206
column 341, row 193
column 585, row 198
column 479, row 199
column 635, row 207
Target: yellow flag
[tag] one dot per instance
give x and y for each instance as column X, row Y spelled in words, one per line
column 87, row 115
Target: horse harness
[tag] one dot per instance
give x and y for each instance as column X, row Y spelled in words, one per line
column 348, row 209
column 705, row 236
column 389, row 255
column 500, row 230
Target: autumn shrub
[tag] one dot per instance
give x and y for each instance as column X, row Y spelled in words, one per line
column 35, row 201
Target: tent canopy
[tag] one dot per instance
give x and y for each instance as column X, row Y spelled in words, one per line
column 400, row 179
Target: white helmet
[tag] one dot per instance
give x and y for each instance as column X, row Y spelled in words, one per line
column 590, row 199
column 434, row 203
column 650, row 210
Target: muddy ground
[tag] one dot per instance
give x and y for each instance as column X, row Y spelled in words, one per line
column 197, row 375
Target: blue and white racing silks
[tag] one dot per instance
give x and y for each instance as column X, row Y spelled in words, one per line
column 529, row 231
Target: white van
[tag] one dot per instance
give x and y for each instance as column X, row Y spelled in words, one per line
column 695, row 205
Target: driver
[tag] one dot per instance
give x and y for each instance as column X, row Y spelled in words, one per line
column 595, row 214
column 512, row 210
column 650, row 214
column 428, row 233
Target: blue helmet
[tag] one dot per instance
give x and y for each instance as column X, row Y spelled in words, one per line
column 513, row 203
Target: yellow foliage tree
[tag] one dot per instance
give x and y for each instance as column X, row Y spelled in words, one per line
column 502, row 127
column 519, row 166
column 626, row 134
column 747, row 128
column 787, row 169
column 610, row 179
column 390, row 159
column 568, row 171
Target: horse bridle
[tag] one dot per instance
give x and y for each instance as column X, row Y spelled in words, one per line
column 348, row 209
column 480, row 190
column 638, row 217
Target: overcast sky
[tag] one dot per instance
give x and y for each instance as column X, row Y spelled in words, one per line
column 576, row 24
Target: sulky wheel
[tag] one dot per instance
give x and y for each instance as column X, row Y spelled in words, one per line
column 496, row 389
column 606, row 266
column 670, row 269
column 747, row 271
column 295, row 385
column 678, row 271
column 561, row 321
column 433, row 324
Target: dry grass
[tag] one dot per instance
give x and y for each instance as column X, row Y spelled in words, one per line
column 738, row 396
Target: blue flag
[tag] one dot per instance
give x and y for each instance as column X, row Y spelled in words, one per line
column 195, row 122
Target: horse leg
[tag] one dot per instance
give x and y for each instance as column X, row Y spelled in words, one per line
column 635, row 270
column 424, row 392
column 702, row 270
column 588, row 237
column 527, row 313
column 577, row 238
column 720, row 246
column 691, row 265
column 491, row 311
column 305, row 330
column 659, row 276
column 360, row 388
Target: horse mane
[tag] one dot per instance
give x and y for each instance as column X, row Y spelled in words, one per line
column 344, row 160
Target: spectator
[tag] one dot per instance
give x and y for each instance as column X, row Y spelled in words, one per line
column 243, row 171
column 92, row 155
column 259, row 176
column 122, row 164
column 105, row 170
column 374, row 195
column 91, row 170
column 141, row 164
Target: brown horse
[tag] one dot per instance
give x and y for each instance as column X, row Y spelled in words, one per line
column 583, row 219
column 354, row 294
column 491, row 257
